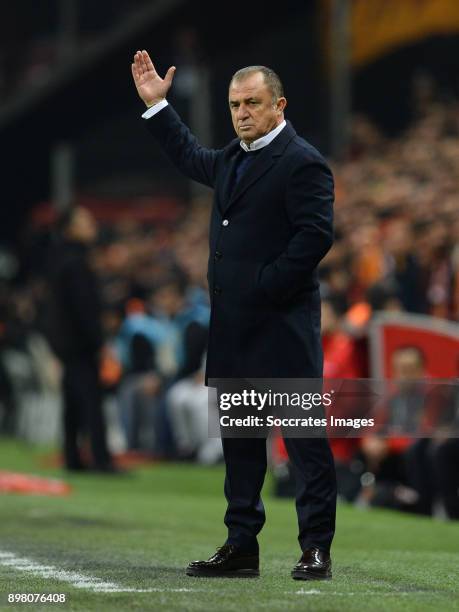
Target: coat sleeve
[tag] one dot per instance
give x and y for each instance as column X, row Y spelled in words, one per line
column 309, row 205
column 182, row 148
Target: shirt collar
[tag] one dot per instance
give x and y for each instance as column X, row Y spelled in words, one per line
column 264, row 140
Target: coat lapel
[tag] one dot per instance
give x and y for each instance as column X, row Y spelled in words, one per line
column 231, row 157
column 260, row 166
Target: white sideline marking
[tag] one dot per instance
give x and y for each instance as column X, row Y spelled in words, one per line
column 77, row 580
column 352, row 594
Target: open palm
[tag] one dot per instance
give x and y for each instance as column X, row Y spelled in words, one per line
column 150, row 86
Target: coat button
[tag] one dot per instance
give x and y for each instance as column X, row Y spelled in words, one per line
column 225, row 222
column 217, row 290
column 217, row 255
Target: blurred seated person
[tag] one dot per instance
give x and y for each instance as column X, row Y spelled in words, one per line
column 187, row 323
column 433, row 460
column 165, row 345
column 387, row 454
column 189, row 407
column 138, row 341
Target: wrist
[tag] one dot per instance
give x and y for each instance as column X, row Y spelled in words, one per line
column 150, row 103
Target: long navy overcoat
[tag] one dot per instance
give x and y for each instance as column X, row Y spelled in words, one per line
column 266, row 238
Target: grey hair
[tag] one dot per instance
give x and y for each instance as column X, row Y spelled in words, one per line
column 271, row 79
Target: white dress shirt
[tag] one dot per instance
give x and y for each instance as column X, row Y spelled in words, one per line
column 253, row 146
column 264, row 140
column 154, row 109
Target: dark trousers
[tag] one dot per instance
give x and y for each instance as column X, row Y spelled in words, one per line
column 246, row 463
column 83, row 413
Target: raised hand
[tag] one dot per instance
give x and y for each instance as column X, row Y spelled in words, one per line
column 150, row 86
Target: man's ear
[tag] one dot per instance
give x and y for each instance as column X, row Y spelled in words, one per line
column 281, row 104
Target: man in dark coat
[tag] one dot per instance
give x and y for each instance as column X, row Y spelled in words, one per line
column 271, row 224
column 75, row 334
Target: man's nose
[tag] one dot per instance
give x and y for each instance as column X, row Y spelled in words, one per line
column 242, row 112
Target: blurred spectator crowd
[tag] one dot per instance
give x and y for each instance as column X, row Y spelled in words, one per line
column 397, row 218
column 396, row 249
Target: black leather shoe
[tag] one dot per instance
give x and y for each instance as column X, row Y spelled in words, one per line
column 314, row 564
column 229, row 561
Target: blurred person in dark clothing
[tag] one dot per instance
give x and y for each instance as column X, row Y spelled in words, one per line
column 388, row 454
column 75, row 334
column 402, row 266
column 436, row 247
column 382, row 297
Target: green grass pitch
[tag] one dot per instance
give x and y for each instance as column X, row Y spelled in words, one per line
column 140, row 531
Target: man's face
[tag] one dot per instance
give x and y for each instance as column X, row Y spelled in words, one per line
column 83, row 227
column 407, row 365
column 407, row 368
column 168, row 300
column 253, row 111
